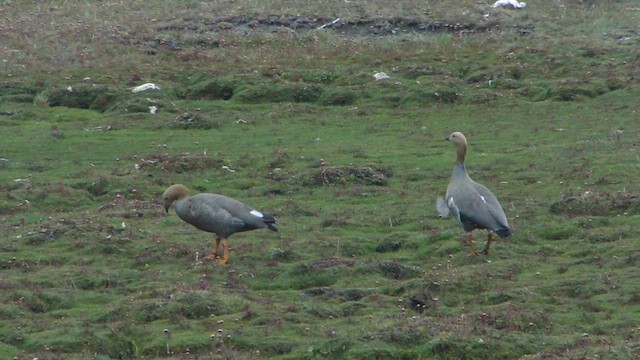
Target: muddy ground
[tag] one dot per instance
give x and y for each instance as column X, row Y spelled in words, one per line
column 245, row 25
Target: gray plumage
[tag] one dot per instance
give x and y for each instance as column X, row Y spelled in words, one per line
column 471, row 203
column 217, row 214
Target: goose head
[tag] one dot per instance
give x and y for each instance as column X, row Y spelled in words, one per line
column 174, row 193
column 460, row 142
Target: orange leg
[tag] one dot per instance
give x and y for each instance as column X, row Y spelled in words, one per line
column 485, row 251
column 215, row 251
column 225, row 257
column 472, row 246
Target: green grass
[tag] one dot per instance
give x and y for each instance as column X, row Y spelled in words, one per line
column 91, row 266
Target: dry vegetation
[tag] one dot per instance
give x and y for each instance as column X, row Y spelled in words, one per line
column 259, row 104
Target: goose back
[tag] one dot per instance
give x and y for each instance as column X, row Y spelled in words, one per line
column 474, row 205
column 220, row 214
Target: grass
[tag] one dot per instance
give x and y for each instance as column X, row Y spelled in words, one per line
column 362, row 267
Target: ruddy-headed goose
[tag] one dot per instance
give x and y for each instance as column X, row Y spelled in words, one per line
column 471, row 203
column 216, row 214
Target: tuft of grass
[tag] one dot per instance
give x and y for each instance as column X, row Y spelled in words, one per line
column 340, row 97
column 597, row 204
column 279, row 92
column 219, row 88
column 83, row 97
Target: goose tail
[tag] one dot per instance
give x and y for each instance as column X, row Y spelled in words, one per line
column 270, row 220
column 504, row 232
column 442, row 208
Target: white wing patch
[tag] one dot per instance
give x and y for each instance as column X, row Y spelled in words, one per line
column 454, row 209
column 256, row 213
column 483, row 199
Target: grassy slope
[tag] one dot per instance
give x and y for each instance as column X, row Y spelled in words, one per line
column 344, row 275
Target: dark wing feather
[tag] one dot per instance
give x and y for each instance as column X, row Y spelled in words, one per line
column 477, row 208
column 205, row 213
column 242, row 216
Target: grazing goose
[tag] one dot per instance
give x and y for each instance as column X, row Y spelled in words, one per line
column 472, row 204
column 217, row 214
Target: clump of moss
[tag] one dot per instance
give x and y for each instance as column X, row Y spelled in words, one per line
column 368, row 175
column 178, row 163
column 414, row 72
column 597, row 203
column 396, row 271
column 219, row 88
column 566, row 90
column 17, row 88
column 99, row 98
column 284, row 92
column 338, row 97
column 557, row 232
column 134, row 105
column 193, row 121
column 309, row 76
column 429, row 95
column 389, row 245
column 18, row 98
column 606, row 234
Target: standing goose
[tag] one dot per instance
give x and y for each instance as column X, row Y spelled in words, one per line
column 216, row 214
column 472, row 204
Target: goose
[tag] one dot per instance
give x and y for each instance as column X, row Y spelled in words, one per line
column 471, row 203
column 216, row 214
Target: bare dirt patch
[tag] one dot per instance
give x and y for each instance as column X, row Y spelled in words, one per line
column 274, row 23
column 246, row 25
